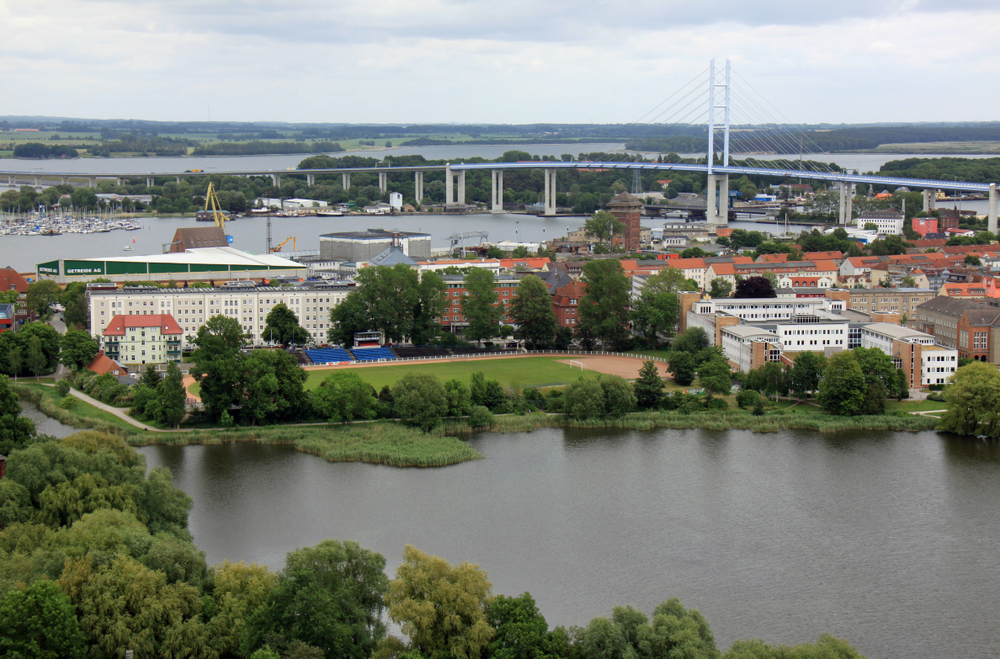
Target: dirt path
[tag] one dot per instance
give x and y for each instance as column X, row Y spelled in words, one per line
column 117, row 411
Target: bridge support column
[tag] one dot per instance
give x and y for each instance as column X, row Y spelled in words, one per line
column 711, row 205
column 119, row 181
column 418, row 186
column 841, row 217
column 311, row 180
column 550, row 192
column 992, row 217
column 461, row 188
column 38, row 182
column 449, row 186
column 345, row 181
column 723, row 214
column 849, row 204
column 496, row 205
column 92, row 181
column 178, row 180
column 276, row 180
column 150, row 181
column 927, row 200
column 932, row 200
column 383, row 181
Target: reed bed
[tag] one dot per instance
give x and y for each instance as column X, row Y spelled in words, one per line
column 385, row 443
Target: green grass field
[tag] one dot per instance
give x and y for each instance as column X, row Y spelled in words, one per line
column 522, row 371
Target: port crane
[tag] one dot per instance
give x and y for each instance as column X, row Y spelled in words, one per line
column 278, row 248
column 460, row 238
column 212, row 199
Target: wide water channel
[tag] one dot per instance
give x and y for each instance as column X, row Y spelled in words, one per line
column 886, row 539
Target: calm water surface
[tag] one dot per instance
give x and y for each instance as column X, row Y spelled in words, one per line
column 889, row 540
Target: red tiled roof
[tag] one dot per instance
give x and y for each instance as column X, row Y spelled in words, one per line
column 103, row 364
column 164, row 321
column 11, row 280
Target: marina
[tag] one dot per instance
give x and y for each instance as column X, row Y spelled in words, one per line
column 34, row 224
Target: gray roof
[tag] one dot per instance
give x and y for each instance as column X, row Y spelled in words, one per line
column 374, row 234
column 949, row 306
column 392, row 256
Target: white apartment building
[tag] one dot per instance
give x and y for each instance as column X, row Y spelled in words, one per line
column 749, row 347
column 191, row 307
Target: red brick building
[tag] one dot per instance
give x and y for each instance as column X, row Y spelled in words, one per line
column 11, row 280
column 565, row 304
column 453, row 320
column 627, row 210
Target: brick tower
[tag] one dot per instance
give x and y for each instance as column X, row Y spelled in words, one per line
column 627, row 209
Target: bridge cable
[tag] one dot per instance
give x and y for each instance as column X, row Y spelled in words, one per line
column 696, row 78
column 787, row 121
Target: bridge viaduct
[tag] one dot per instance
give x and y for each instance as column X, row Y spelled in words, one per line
column 717, row 177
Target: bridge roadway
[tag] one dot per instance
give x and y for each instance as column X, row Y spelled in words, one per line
column 455, row 181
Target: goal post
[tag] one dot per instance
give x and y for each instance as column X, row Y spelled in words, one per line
column 574, row 362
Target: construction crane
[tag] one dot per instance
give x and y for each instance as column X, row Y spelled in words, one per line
column 460, row 238
column 278, row 248
column 212, row 199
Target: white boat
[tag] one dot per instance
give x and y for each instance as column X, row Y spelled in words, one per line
column 127, row 248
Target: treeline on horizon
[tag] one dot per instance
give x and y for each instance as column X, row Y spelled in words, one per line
column 680, row 138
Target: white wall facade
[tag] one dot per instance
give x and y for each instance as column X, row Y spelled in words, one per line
column 192, row 307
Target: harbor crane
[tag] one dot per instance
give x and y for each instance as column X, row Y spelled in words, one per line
column 278, row 248
column 212, row 199
column 457, row 238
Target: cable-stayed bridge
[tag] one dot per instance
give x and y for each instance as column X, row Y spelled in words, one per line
column 717, row 168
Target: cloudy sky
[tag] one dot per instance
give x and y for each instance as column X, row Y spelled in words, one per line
column 495, row 61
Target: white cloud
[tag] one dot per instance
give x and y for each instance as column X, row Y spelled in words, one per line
column 486, row 61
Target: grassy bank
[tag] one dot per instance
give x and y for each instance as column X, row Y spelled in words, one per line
column 81, row 415
column 717, row 420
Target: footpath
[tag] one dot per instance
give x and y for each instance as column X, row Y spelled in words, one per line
column 117, row 411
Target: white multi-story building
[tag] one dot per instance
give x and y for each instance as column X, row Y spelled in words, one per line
column 757, row 309
column 888, row 221
column 191, row 307
column 748, row 347
column 923, row 361
column 148, row 339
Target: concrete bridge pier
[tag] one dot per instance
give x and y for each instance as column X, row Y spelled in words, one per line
column 849, row 198
column 383, row 181
column 64, row 180
column 461, row 188
column 311, row 180
column 992, row 217
column 276, row 180
column 38, row 182
column 418, row 186
column 92, row 181
column 722, row 216
column 150, row 181
column 930, row 200
column 119, row 181
column 711, row 206
column 346, row 181
column 550, row 192
column 449, row 186
column 496, row 205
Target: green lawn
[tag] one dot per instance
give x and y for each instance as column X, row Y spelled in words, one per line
column 523, row 371
column 914, row 405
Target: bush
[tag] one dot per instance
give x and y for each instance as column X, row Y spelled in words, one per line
column 63, row 387
column 935, row 396
column 481, row 417
column 68, row 402
column 747, row 398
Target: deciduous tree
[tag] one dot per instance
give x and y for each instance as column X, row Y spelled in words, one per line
column 604, row 307
column 754, row 287
column 842, row 390
column 15, row 430
column 77, row 349
column 532, row 314
column 442, row 609
column 420, row 399
column 344, row 396
column 39, row 622
column 973, row 399
column 282, row 327
column 480, row 307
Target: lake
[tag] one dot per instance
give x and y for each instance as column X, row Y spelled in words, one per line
column 886, row 539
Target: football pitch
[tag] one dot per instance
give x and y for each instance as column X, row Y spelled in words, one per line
column 521, row 371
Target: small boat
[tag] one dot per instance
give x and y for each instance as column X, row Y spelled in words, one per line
column 127, row 248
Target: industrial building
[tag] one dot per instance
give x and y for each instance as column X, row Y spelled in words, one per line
column 208, row 264
column 362, row 246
